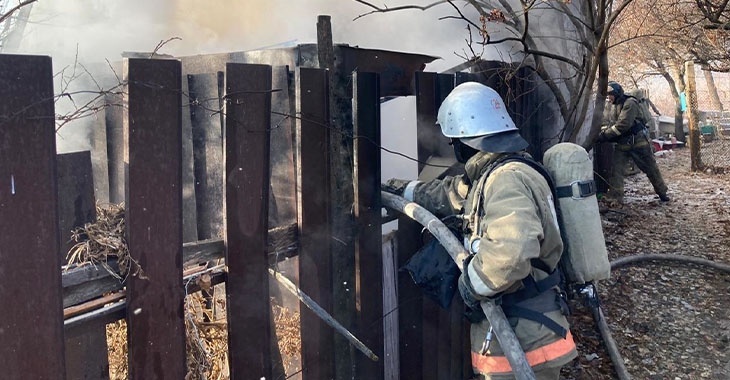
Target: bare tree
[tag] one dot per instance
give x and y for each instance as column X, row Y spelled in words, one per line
column 12, row 23
column 566, row 42
column 656, row 37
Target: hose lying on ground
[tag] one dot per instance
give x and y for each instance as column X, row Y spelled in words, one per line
column 611, row 345
column 495, row 315
column 669, row 257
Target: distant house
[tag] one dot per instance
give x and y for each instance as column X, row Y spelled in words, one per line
column 665, row 125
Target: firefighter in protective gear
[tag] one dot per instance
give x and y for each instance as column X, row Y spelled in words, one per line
column 509, row 225
column 629, row 134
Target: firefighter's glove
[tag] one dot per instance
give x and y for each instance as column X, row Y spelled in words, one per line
column 602, row 137
column 394, row 186
column 474, row 312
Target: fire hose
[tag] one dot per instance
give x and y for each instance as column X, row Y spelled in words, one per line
column 502, row 329
column 611, row 345
column 495, row 315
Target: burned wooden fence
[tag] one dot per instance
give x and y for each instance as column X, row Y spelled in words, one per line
column 58, row 320
column 47, row 306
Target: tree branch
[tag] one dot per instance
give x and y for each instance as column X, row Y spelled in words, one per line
column 16, row 8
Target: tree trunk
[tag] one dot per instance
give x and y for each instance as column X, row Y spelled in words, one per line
column 712, row 88
column 678, row 113
column 679, row 123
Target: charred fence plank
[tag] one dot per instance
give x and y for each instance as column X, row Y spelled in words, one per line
column 282, row 202
column 248, row 119
column 190, row 213
column 86, row 354
column 76, row 204
column 410, row 299
column 315, row 260
column 431, row 90
column 207, row 119
column 30, row 292
column 369, row 238
column 152, row 129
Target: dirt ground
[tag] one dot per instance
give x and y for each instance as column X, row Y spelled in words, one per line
column 669, row 320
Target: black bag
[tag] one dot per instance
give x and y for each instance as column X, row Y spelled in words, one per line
column 435, row 272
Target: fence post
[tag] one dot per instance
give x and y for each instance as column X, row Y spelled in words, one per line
column 153, row 132
column 369, row 246
column 30, row 290
column 247, row 130
column 694, row 131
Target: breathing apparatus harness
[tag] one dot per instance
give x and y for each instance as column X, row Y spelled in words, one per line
column 637, row 131
column 513, row 303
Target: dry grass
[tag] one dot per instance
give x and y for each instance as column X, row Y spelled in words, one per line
column 103, row 240
column 206, row 327
column 206, row 340
column 206, row 331
column 288, row 331
column 116, row 340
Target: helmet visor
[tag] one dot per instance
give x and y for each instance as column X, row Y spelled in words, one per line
column 498, row 143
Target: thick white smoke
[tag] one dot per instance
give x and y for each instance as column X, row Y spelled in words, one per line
column 73, row 31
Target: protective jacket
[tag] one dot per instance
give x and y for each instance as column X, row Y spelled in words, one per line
column 632, row 143
column 629, row 127
column 514, row 234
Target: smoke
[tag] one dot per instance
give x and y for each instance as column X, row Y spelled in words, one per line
column 90, row 33
column 103, row 29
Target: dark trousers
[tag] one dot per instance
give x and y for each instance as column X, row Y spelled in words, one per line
column 640, row 152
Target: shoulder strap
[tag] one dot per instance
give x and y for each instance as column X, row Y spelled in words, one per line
column 530, row 162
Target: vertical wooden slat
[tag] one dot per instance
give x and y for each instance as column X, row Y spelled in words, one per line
column 282, row 202
column 76, row 204
column 391, row 358
column 432, row 353
column 190, row 212
column 448, row 326
column 99, row 156
column 31, row 324
column 431, row 89
column 369, row 246
column 410, row 298
column 459, row 353
column 426, row 86
column 115, row 146
column 86, row 354
column 207, row 152
column 152, row 129
column 315, row 260
column 248, row 118
column 340, row 124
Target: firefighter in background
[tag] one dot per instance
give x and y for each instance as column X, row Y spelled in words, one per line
column 632, row 143
column 510, row 228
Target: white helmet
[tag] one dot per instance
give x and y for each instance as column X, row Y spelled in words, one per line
column 476, row 114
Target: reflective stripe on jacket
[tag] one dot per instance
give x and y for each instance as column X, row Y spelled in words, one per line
column 488, row 364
